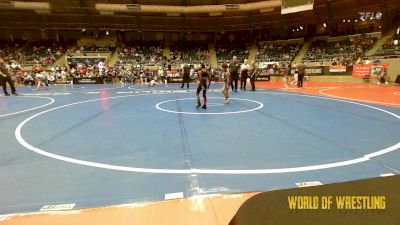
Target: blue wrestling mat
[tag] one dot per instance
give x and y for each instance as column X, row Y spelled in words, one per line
column 99, row 145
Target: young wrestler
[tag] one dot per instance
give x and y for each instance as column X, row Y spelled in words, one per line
column 227, row 80
column 40, row 80
column 203, row 76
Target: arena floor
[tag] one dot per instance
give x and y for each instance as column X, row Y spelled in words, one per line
column 101, row 145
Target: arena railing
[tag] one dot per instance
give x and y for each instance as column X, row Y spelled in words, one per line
column 381, row 57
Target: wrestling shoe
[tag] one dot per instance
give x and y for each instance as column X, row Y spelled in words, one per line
column 227, row 101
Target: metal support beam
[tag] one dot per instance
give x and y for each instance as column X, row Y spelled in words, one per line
column 329, row 23
column 84, row 8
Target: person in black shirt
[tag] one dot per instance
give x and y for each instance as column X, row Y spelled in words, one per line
column 5, row 78
column 186, row 75
column 253, row 74
column 302, row 72
column 234, row 71
column 203, row 76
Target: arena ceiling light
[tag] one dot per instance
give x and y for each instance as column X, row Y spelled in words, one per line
column 133, row 7
column 105, row 8
column 173, row 14
column 301, row 27
column 215, row 14
column 267, row 10
column 324, row 24
column 293, row 6
column 38, row 7
column 398, row 31
column 4, row 3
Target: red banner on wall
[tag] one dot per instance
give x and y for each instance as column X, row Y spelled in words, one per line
column 369, row 70
column 337, row 69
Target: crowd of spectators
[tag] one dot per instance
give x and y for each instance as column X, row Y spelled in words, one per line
column 34, row 53
column 107, row 74
column 193, row 52
column 93, row 48
column 226, row 51
column 141, row 53
column 390, row 47
column 349, row 50
column 276, row 52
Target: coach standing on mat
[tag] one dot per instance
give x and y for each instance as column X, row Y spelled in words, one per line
column 302, row 72
column 253, row 74
column 234, row 71
column 5, row 78
column 186, row 75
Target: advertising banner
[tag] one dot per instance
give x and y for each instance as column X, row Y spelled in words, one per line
column 368, row 70
column 337, row 69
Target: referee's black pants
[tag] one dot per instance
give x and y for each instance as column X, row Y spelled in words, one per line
column 253, row 83
column 300, row 80
column 243, row 81
column 235, row 79
column 4, row 81
column 185, row 79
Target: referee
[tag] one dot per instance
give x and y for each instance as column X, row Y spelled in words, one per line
column 302, row 72
column 234, row 71
column 5, row 78
column 253, row 74
column 186, row 74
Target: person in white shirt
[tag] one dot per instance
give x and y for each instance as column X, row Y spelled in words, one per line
column 286, row 74
column 100, row 65
column 40, row 80
column 162, row 76
column 244, row 70
column 271, row 71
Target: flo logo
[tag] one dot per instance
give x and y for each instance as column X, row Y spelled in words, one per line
column 370, row 15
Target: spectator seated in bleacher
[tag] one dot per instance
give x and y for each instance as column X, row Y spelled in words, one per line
column 349, row 50
column 28, row 54
column 189, row 52
column 390, row 47
column 93, row 48
column 141, row 53
column 226, row 51
column 276, row 52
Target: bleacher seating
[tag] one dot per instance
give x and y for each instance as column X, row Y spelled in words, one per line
column 226, row 51
column 34, row 53
column 141, row 53
column 189, row 52
column 350, row 48
column 276, row 52
column 390, row 47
